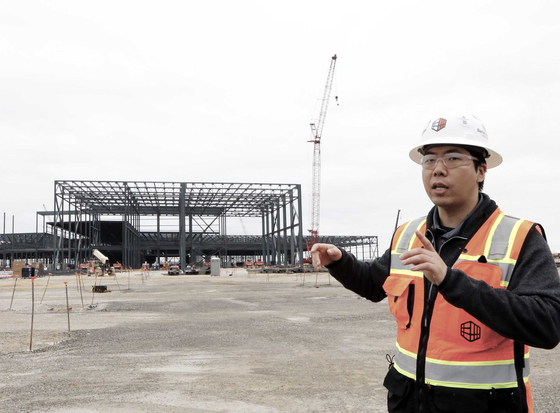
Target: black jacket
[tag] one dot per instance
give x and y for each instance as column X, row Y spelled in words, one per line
column 528, row 312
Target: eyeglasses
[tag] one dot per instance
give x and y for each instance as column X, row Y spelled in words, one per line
column 450, row 160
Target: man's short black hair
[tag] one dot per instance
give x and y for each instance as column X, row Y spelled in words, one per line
column 480, row 154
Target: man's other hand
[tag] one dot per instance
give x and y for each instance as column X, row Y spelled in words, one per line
column 324, row 254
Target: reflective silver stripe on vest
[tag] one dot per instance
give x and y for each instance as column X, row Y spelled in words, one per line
column 500, row 240
column 499, row 248
column 407, row 235
column 527, row 366
column 396, row 264
column 483, row 375
column 507, row 271
column 406, row 363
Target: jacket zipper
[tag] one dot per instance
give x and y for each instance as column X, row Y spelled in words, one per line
column 425, row 332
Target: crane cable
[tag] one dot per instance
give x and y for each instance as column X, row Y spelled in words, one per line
column 336, row 89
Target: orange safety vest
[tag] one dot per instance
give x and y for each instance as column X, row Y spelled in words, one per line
column 462, row 352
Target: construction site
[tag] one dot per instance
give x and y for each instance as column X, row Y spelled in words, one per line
column 133, row 296
column 153, row 223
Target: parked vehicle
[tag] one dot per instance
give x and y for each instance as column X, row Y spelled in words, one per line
column 191, row 270
column 173, row 270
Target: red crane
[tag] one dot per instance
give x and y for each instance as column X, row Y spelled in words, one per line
column 316, row 132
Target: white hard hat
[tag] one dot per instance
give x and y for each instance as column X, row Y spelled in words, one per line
column 456, row 130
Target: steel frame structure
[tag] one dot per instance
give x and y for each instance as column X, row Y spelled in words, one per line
column 199, row 212
column 80, row 207
column 39, row 246
column 365, row 248
column 25, row 246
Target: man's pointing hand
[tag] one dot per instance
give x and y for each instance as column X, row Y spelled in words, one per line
column 426, row 259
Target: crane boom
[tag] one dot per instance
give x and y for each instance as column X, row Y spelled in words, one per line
column 316, row 133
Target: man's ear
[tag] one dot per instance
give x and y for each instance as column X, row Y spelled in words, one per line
column 481, row 172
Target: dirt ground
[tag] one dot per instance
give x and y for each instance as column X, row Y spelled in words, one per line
column 250, row 343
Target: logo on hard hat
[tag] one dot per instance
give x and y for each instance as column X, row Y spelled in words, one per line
column 482, row 132
column 439, row 124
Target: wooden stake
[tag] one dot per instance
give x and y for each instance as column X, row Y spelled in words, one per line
column 67, row 306
column 46, row 285
column 15, row 282
column 116, row 279
column 32, row 312
column 93, row 288
column 80, row 284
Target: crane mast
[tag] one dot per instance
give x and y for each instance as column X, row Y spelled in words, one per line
column 316, row 133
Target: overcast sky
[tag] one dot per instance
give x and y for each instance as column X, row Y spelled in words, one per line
column 224, row 91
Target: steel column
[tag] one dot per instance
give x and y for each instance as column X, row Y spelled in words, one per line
column 300, row 227
column 182, row 244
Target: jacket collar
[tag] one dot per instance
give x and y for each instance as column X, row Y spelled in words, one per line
column 468, row 227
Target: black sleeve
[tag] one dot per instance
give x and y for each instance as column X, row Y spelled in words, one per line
column 364, row 278
column 528, row 311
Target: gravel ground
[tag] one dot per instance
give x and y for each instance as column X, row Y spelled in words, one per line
column 198, row 344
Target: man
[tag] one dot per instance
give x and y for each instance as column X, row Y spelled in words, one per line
column 470, row 287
